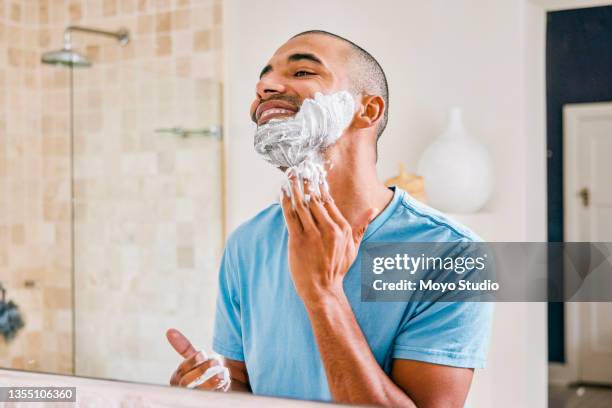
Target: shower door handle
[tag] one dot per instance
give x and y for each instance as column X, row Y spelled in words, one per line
column 214, row 131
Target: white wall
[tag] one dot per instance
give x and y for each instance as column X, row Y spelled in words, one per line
column 485, row 56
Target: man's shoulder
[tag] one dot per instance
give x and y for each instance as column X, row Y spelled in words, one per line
column 412, row 220
column 420, row 220
column 263, row 227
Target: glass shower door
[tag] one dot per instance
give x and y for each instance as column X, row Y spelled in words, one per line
column 148, row 211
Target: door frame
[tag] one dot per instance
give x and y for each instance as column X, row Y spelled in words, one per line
column 573, row 114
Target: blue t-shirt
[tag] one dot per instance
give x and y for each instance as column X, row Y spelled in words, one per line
column 261, row 320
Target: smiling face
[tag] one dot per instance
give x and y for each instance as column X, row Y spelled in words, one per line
column 302, row 66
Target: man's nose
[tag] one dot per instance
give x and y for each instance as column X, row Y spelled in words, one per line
column 268, row 86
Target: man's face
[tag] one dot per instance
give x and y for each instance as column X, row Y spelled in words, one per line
column 302, row 66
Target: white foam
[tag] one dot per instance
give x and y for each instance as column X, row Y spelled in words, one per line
column 210, row 373
column 296, row 143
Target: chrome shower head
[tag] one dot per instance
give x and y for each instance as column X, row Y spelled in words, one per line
column 69, row 58
column 66, row 57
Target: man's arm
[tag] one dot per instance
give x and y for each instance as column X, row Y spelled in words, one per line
column 239, row 375
column 437, row 385
column 322, row 247
column 355, row 377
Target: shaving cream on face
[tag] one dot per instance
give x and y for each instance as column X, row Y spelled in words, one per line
column 296, row 143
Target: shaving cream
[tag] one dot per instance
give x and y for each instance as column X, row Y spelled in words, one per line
column 296, row 143
column 220, row 371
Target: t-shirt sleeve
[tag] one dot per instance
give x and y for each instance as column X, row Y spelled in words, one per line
column 227, row 337
column 448, row 333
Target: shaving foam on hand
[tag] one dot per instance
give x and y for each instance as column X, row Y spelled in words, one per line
column 296, row 143
column 216, row 370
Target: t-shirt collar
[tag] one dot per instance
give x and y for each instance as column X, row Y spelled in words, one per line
column 386, row 213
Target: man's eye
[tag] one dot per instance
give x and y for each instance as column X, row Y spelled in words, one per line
column 303, row 73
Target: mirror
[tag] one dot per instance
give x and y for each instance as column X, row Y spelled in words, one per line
column 127, row 163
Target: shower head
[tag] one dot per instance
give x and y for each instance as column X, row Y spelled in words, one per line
column 66, row 57
column 69, row 58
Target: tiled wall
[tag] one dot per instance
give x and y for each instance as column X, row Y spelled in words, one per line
column 34, row 199
column 148, row 206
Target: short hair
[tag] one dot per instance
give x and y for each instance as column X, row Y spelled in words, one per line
column 369, row 76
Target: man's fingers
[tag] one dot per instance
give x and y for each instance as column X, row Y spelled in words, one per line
column 293, row 222
column 320, row 215
column 334, row 212
column 192, row 375
column 192, row 362
column 187, row 365
column 362, row 224
column 180, row 343
column 301, row 209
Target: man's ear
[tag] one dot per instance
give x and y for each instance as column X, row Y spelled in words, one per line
column 371, row 111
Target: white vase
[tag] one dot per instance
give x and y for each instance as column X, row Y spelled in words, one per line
column 457, row 170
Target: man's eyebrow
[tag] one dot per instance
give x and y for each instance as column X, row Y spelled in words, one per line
column 304, row 56
column 264, row 71
column 292, row 58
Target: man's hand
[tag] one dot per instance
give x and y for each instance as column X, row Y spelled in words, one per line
column 322, row 247
column 193, row 369
column 322, row 244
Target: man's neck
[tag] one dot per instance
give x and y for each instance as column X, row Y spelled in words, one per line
column 356, row 188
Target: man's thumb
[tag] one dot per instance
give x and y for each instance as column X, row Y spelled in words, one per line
column 365, row 220
column 180, row 343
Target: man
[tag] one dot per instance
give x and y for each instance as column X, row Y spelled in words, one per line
column 290, row 321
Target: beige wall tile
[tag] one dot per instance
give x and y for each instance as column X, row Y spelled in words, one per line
column 75, row 11
column 109, row 8
column 128, row 6
column 43, row 11
column 18, row 234
column 155, row 201
column 161, row 4
column 57, row 298
column 143, row 5
column 163, row 22
column 145, row 24
column 164, row 45
column 15, row 11
column 181, row 19
column 201, row 40
column 183, row 67
column 217, row 12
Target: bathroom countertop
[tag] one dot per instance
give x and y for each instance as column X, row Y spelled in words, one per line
column 93, row 393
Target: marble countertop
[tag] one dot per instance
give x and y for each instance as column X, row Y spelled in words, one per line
column 94, row 393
